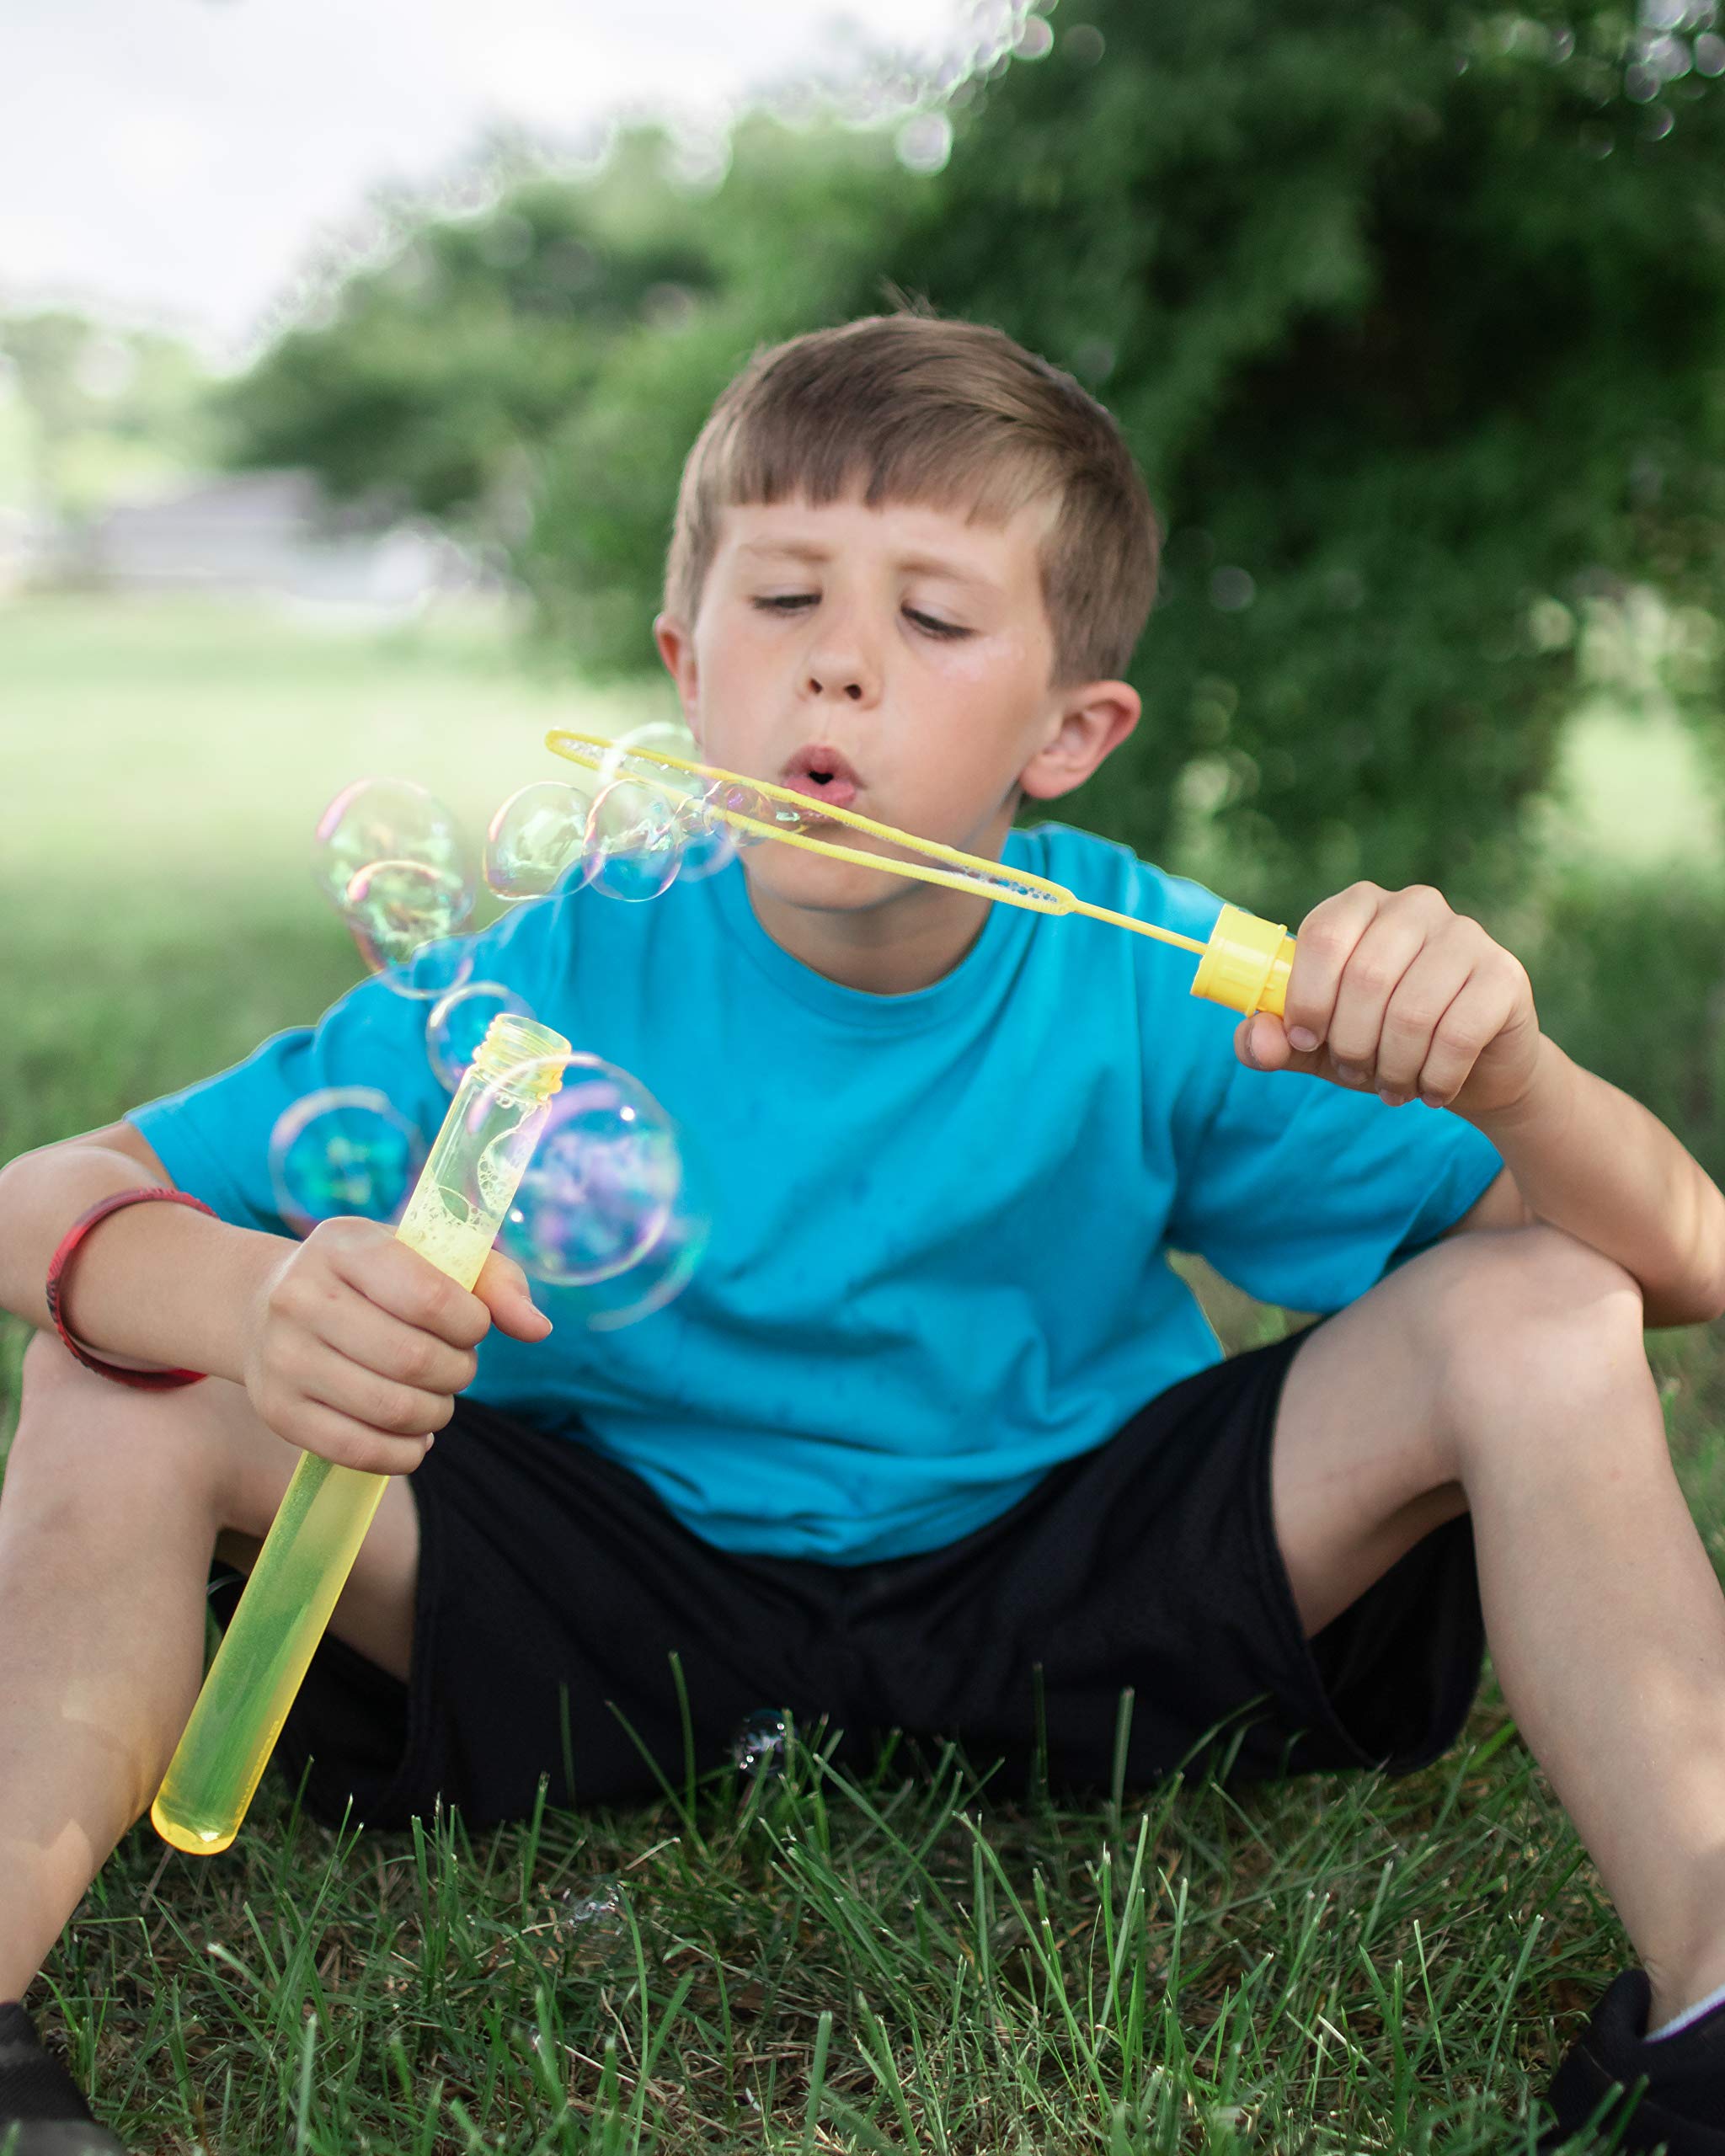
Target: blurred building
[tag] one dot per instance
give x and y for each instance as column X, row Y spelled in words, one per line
column 271, row 534
column 26, row 549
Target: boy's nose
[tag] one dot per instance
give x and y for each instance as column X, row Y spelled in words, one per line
column 838, row 683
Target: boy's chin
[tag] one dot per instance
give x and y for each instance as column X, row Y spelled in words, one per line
column 791, row 877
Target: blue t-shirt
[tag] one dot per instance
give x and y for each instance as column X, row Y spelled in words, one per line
column 938, row 1259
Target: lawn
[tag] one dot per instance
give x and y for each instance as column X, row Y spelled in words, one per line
column 810, row 1963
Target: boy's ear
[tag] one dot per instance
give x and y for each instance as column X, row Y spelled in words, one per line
column 1093, row 719
column 676, row 647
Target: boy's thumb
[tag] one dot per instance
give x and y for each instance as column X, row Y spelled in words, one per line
column 521, row 1314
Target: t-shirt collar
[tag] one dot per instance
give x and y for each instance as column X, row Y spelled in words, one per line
column 1003, row 931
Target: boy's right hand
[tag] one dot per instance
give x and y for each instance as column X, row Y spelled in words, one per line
column 353, row 1347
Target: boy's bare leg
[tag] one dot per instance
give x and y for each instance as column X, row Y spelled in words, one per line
column 113, row 1503
column 1504, row 1373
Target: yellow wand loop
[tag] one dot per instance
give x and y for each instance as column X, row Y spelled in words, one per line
column 1245, row 964
column 455, row 1212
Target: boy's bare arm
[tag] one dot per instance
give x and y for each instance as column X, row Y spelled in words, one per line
column 154, row 1283
column 349, row 1344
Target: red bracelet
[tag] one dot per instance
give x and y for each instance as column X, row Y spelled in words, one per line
column 145, row 1380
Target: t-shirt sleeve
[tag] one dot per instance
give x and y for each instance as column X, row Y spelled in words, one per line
column 213, row 1137
column 1306, row 1195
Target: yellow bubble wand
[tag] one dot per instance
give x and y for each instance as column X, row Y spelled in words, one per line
column 1244, row 965
column 457, row 1205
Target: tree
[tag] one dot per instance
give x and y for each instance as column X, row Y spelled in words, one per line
column 1411, row 313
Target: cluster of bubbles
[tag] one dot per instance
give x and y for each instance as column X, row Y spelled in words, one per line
column 610, row 1205
column 632, row 830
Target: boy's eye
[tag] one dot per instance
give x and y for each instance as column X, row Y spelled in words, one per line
column 935, row 627
column 787, row 602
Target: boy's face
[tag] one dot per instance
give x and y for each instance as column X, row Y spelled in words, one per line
column 894, row 660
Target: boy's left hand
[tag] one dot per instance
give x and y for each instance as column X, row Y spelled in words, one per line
column 1397, row 993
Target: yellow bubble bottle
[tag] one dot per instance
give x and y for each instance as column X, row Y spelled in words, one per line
column 452, row 1218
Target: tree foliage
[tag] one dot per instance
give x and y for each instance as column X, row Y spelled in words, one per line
column 1411, row 313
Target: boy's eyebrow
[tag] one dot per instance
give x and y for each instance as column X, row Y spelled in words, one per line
column 806, row 550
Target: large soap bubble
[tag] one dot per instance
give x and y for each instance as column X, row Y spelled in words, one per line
column 602, row 1181
column 345, row 1150
column 632, row 842
column 665, row 1268
column 384, row 820
column 535, row 838
column 458, row 1022
column 401, row 914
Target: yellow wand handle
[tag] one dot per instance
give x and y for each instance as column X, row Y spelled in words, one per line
column 453, row 1216
column 1245, row 963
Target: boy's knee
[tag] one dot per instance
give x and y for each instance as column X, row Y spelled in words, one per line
column 1533, row 1310
column 69, row 1417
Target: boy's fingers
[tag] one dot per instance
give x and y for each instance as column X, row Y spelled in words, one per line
column 503, row 1287
column 410, row 1287
column 381, row 1403
column 1262, row 1041
column 316, row 1426
column 356, row 1327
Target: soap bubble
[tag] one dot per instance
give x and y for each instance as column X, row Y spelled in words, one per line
column 635, row 754
column 630, row 844
column 705, row 842
column 602, row 1181
column 384, row 820
column 594, row 1921
column 734, row 796
column 535, row 838
column 433, row 971
column 665, row 1268
column 458, row 1022
column 401, row 914
column 346, row 1150
column 758, row 1748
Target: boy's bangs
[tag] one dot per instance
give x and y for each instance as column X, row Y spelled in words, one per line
column 964, row 469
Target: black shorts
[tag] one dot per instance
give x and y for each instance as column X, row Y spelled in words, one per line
column 554, row 1588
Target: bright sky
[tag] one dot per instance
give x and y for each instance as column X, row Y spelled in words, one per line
column 176, row 160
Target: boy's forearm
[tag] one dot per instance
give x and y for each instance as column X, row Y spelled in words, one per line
column 1592, row 1160
column 155, row 1285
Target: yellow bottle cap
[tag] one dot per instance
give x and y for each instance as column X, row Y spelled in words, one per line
column 1245, row 963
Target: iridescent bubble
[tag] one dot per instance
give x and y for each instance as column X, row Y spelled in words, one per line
column 705, row 842
column 396, row 910
column 535, row 838
column 734, row 798
column 632, row 755
column 665, row 1268
column 758, row 1747
column 346, row 1150
column 631, row 847
column 384, row 820
column 602, row 1181
column 457, row 1025
column 594, row 1921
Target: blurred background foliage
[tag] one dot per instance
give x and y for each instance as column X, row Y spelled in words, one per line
column 1412, row 314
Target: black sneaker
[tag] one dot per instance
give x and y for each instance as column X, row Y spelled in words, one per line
column 1671, row 2092
column 41, row 2112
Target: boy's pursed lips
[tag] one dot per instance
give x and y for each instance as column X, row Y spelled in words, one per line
column 822, row 772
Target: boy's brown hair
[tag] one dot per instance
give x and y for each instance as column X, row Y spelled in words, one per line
column 911, row 408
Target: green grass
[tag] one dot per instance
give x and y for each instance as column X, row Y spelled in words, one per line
column 1335, row 1963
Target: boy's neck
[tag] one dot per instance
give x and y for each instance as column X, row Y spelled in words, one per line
column 890, row 950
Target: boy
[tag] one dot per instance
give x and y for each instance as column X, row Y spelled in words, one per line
column 934, row 1411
